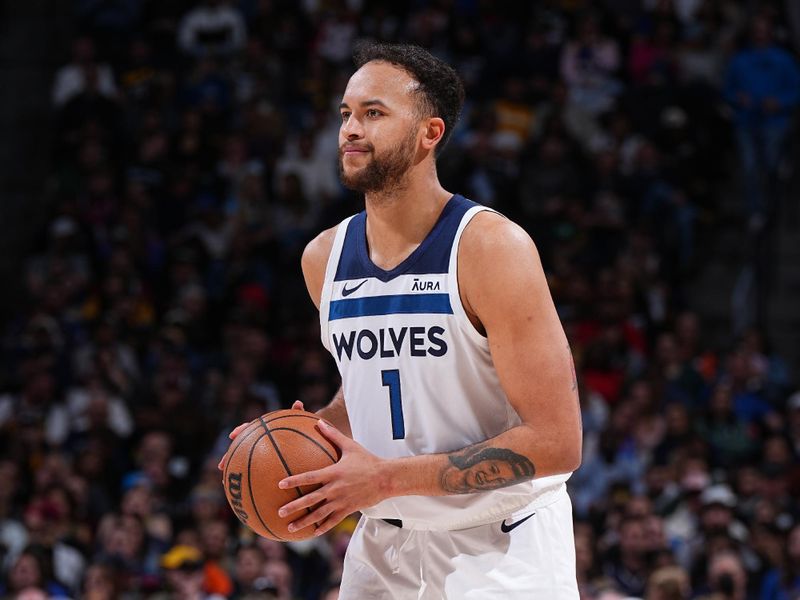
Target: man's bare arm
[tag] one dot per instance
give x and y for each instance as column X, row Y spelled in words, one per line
column 314, row 263
column 504, row 288
column 336, row 413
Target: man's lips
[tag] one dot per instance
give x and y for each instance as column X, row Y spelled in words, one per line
column 354, row 150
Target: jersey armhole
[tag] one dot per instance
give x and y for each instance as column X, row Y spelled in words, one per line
column 452, row 273
column 327, row 284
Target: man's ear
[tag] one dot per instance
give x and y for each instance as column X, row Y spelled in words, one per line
column 434, row 130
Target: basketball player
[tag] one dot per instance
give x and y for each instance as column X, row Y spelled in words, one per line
column 458, row 416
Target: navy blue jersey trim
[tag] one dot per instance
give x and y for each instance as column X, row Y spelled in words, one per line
column 372, row 306
column 430, row 257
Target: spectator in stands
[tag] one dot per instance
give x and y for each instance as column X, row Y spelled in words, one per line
column 337, row 31
column 652, row 52
column 139, row 502
column 728, row 436
column 215, row 548
column 727, row 577
column 307, row 159
column 123, row 542
column 627, row 564
column 101, row 582
column 783, row 581
column 762, row 84
column 668, row 583
column 215, row 28
column 31, row 571
column 249, row 573
column 279, row 573
column 87, row 410
column 586, row 560
column 184, row 574
column 50, row 519
column 72, row 78
column 589, row 64
column 716, row 519
column 13, row 535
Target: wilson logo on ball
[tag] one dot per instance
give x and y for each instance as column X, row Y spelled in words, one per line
column 235, row 491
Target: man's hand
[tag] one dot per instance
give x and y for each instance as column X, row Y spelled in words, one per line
column 240, row 428
column 350, row 485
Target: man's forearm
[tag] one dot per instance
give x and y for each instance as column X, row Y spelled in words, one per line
column 336, row 413
column 495, row 463
column 482, row 467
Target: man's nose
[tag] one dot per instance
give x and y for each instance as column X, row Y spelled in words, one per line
column 352, row 129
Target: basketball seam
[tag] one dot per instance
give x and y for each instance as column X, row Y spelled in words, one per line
column 250, row 489
column 300, row 493
column 278, row 452
column 290, row 416
column 289, row 413
column 309, row 438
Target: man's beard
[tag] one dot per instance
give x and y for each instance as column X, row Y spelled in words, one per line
column 382, row 173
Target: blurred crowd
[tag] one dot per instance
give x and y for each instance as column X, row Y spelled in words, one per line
column 194, row 154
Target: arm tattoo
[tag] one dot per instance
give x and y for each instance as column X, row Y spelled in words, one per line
column 481, row 467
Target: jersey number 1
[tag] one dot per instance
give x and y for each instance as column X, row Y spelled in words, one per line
column 391, row 379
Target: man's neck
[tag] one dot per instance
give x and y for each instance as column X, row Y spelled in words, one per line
column 399, row 220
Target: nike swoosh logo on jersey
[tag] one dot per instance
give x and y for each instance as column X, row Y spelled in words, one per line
column 347, row 292
column 506, row 528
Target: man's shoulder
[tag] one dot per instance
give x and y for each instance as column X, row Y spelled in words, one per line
column 495, row 255
column 318, row 250
column 493, row 232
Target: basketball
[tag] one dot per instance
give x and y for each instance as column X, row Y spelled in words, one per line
column 271, row 448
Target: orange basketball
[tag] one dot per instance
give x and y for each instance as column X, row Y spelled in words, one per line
column 271, row 448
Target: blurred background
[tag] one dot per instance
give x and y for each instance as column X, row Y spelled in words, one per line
column 164, row 162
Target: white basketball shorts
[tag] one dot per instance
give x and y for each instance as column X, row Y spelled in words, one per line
column 528, row 556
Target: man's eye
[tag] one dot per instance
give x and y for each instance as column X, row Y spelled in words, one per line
column 345, row 116
column 373, row 113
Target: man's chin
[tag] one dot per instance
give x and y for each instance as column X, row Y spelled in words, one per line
column 357, row 186
column 353, row 178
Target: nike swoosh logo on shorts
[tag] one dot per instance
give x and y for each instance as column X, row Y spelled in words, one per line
column 347, row 292
column 507, row 528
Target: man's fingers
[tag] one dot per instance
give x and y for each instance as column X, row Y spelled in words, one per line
column 298, row 405
column 335, row 436
column 315, row 516
column 307, row 501
column 332, row 521
column 239, row 429
column 308, row 478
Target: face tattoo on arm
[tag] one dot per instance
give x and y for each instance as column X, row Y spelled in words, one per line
column 480, row 467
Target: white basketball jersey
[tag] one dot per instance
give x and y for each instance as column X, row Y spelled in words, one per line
column 417, row 376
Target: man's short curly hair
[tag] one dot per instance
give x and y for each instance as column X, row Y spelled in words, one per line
column 440, row 89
